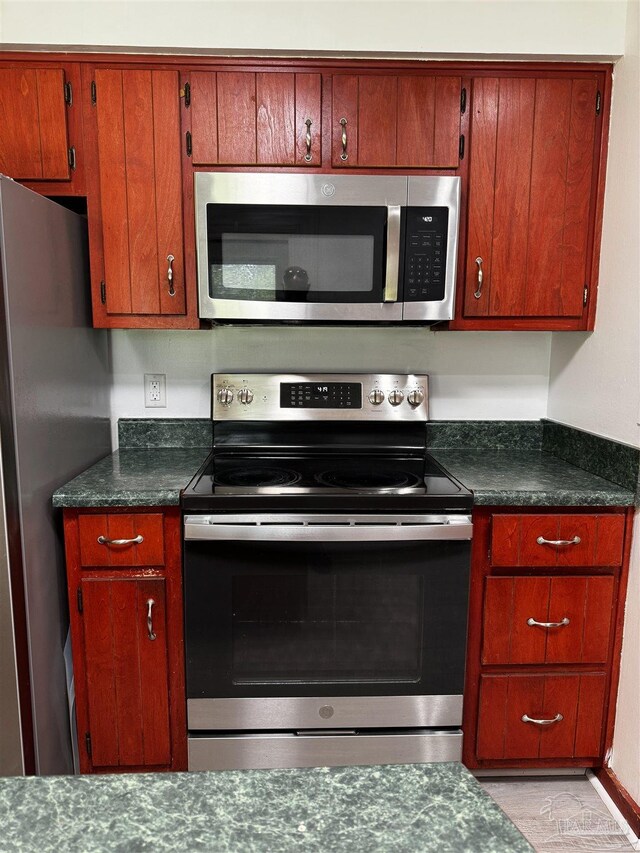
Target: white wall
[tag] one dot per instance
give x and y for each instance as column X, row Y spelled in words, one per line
column 526, row 27
column 594, row 380
column 473, row 374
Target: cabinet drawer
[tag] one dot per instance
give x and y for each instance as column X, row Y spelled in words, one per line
column 557, row 540
column 577, row 611
column 508, row 704
column 121, row 539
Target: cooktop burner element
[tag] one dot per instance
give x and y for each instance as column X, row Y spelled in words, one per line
column 322, row 442
column 362, row 479
column 257, row 477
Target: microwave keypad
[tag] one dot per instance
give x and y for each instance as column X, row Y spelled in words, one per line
column 425, row 255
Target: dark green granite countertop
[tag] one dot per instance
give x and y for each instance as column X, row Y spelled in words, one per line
column 412, row 807
column 529, row 478
column 132, row 477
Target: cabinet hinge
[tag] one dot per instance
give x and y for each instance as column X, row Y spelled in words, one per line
column 71, row 156
column 68, row 94
column 463, row 101
column 188, row 143
column 79, row 599
column 87, row 741
column 94, row 93
column 103, row 292
column 585, row 295
column 598, row 102
column 186, row 94
column 461, row 148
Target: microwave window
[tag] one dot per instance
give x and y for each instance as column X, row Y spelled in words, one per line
column 299, row 254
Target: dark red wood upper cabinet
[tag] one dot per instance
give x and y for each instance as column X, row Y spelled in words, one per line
column 242, row 118
column 407, row 121
column 34, row 144
column 140, row 191
column 535, row 147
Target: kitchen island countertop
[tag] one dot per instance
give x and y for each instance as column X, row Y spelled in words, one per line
column 415, row 808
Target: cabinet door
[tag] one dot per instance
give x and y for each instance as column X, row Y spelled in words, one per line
column 268, row 118
column 138, row 132
column 537, row 620
column 126, row 671
column 531, row 197
column 540, row 716
column 34, row 143
column 388, row 121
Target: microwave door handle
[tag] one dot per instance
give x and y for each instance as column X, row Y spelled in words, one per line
column 393, row 253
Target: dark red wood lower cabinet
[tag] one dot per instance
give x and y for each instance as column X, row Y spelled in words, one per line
column 540, row 716
column 127, row 639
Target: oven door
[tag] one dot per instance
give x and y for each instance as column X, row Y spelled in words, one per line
column 298, row 247
column 310, row 622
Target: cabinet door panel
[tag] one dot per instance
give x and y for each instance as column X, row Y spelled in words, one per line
column 417, row 115
column 204, row 117
column 236, row 117
column 446, row 131
column 32, row 107
column 140, row 191
column 308, row 106
column 127, row 672
column 344, row 106
column 377, row 120
column 275, row 119
column 534, row 239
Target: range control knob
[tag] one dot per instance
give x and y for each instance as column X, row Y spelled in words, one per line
column 376, row 397
column 414, row 398
column 225, row 396
column 245, row 396
column 396, row 397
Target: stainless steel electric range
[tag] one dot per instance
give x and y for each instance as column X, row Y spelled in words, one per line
column 326, row 576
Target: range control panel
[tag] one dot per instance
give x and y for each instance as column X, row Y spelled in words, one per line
column 425, row 253
column 336, row 396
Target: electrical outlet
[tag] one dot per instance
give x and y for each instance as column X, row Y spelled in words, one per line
column 155, row 390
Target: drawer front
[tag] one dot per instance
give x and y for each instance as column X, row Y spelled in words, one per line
column 139, row 540
column 557, row 540
column 577, row 612
column 569, row 710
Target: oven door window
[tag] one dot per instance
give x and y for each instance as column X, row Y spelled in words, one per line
column 277, row 619
column 296, row 253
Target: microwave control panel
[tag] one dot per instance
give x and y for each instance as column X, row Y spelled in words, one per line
column 425, row 253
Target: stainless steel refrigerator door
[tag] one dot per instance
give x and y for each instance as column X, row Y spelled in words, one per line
column 55, row 423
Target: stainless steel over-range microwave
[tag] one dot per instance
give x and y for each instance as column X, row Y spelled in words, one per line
column 325, row 248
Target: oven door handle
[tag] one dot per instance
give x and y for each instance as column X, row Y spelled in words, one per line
column 393, row 253
column 211, row 528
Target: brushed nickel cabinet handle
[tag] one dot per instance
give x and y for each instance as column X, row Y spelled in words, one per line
column 172, row 290
column 480, row 278
column 150, row 631
column 344, row 155
column 102, row 540
column 527, row 719
column 542, row 541
column 565, row 621
column 307, row 156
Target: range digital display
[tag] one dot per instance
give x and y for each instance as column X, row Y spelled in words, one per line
column 320, row 395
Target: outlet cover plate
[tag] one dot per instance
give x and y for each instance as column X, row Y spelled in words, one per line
column 155, row 390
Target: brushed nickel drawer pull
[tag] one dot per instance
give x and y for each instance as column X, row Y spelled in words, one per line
column 307, row 156
column 527, row 719
column 542, row 541
column 565, row 621
column 136, row 541
column 344, row 155
column 150, row 631
column 478, row 290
